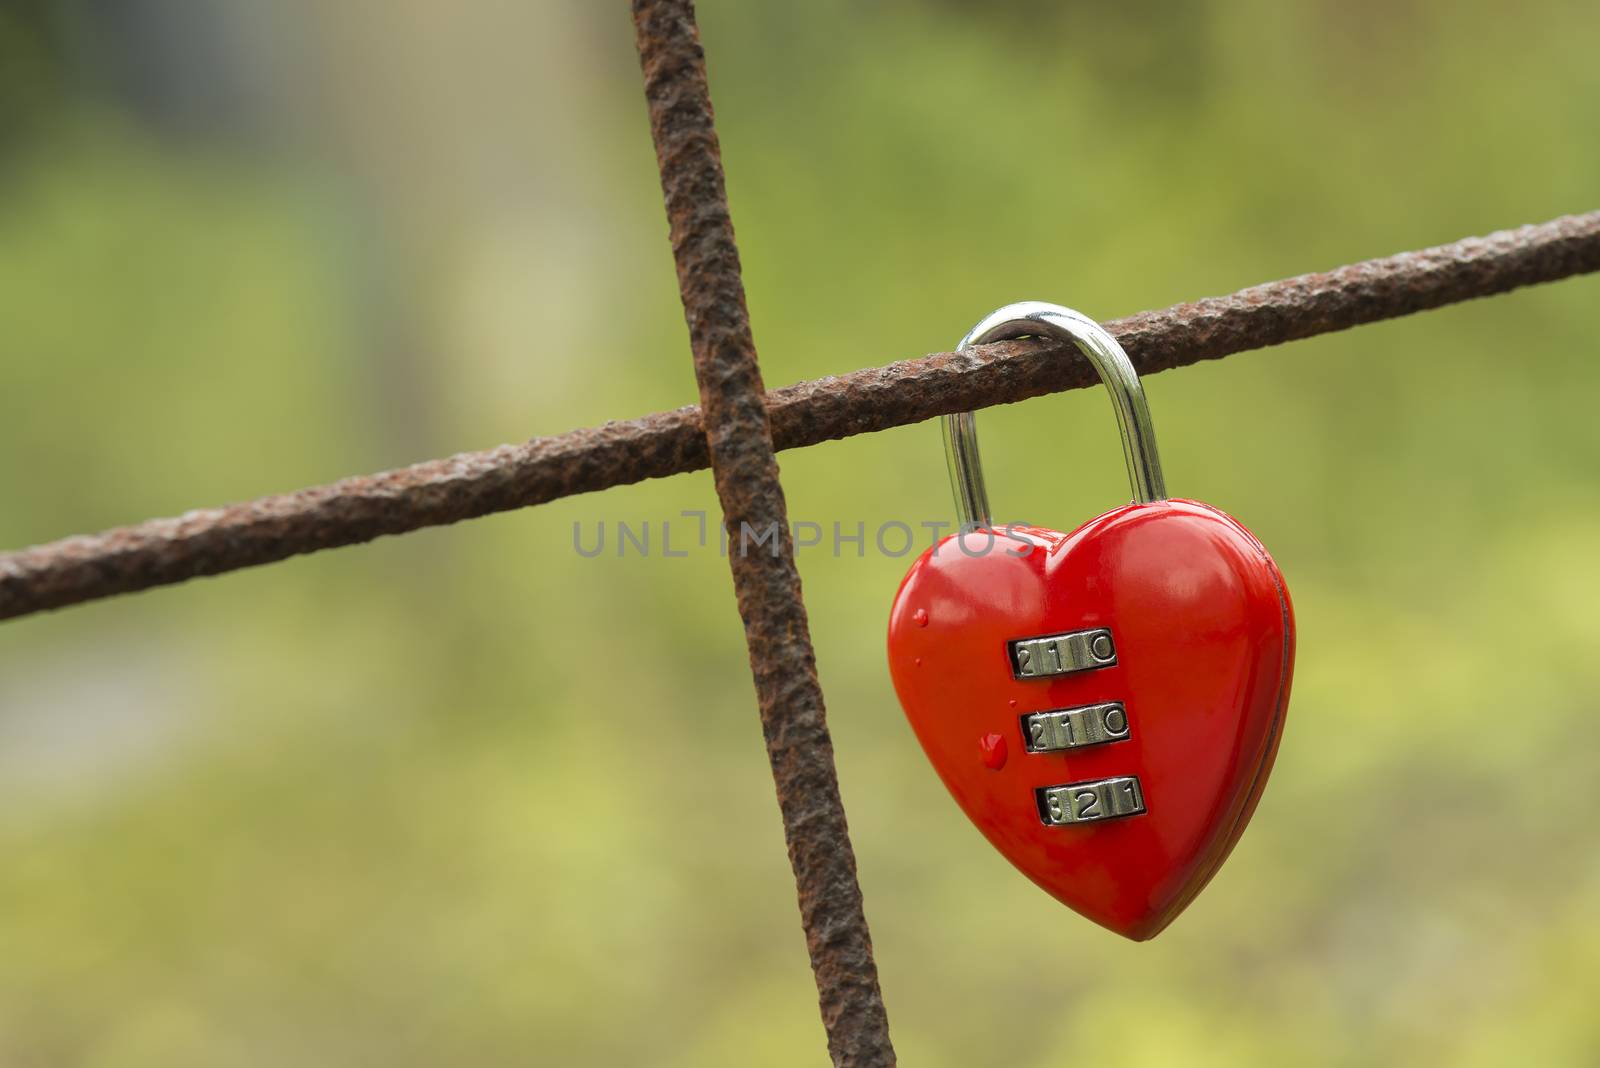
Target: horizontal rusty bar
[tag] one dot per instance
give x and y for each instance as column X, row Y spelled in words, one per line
column 212, row 541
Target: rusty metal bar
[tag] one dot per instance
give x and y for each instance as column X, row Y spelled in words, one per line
column 212, row 541
column 765, row 579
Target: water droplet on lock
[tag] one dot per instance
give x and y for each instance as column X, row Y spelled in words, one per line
column 920, row 617
column 993, row 748
column 917, row 662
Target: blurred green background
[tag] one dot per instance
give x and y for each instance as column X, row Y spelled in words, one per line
column 404, row 804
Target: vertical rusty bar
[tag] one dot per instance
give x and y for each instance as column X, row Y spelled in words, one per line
column 765, row 579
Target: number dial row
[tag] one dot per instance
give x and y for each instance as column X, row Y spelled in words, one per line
column 1091, row 802
column 1062, row 654
column 1071, row 728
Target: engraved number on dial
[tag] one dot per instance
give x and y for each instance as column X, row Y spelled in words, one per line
column 1086, row 805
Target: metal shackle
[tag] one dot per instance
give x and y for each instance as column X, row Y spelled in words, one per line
column 1032, row 318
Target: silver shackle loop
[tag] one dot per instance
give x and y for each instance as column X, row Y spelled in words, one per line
column 1032, row 318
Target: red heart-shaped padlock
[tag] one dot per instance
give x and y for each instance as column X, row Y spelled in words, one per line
column 1105, row 705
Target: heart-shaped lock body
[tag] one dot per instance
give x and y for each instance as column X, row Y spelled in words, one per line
column 1188, row 703
column 1105, row 705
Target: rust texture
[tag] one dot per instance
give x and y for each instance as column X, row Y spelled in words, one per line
column 216, row 540
column 765, row 579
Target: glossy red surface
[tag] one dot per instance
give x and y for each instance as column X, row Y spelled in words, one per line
column 1204, row 636
column 995, row 751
